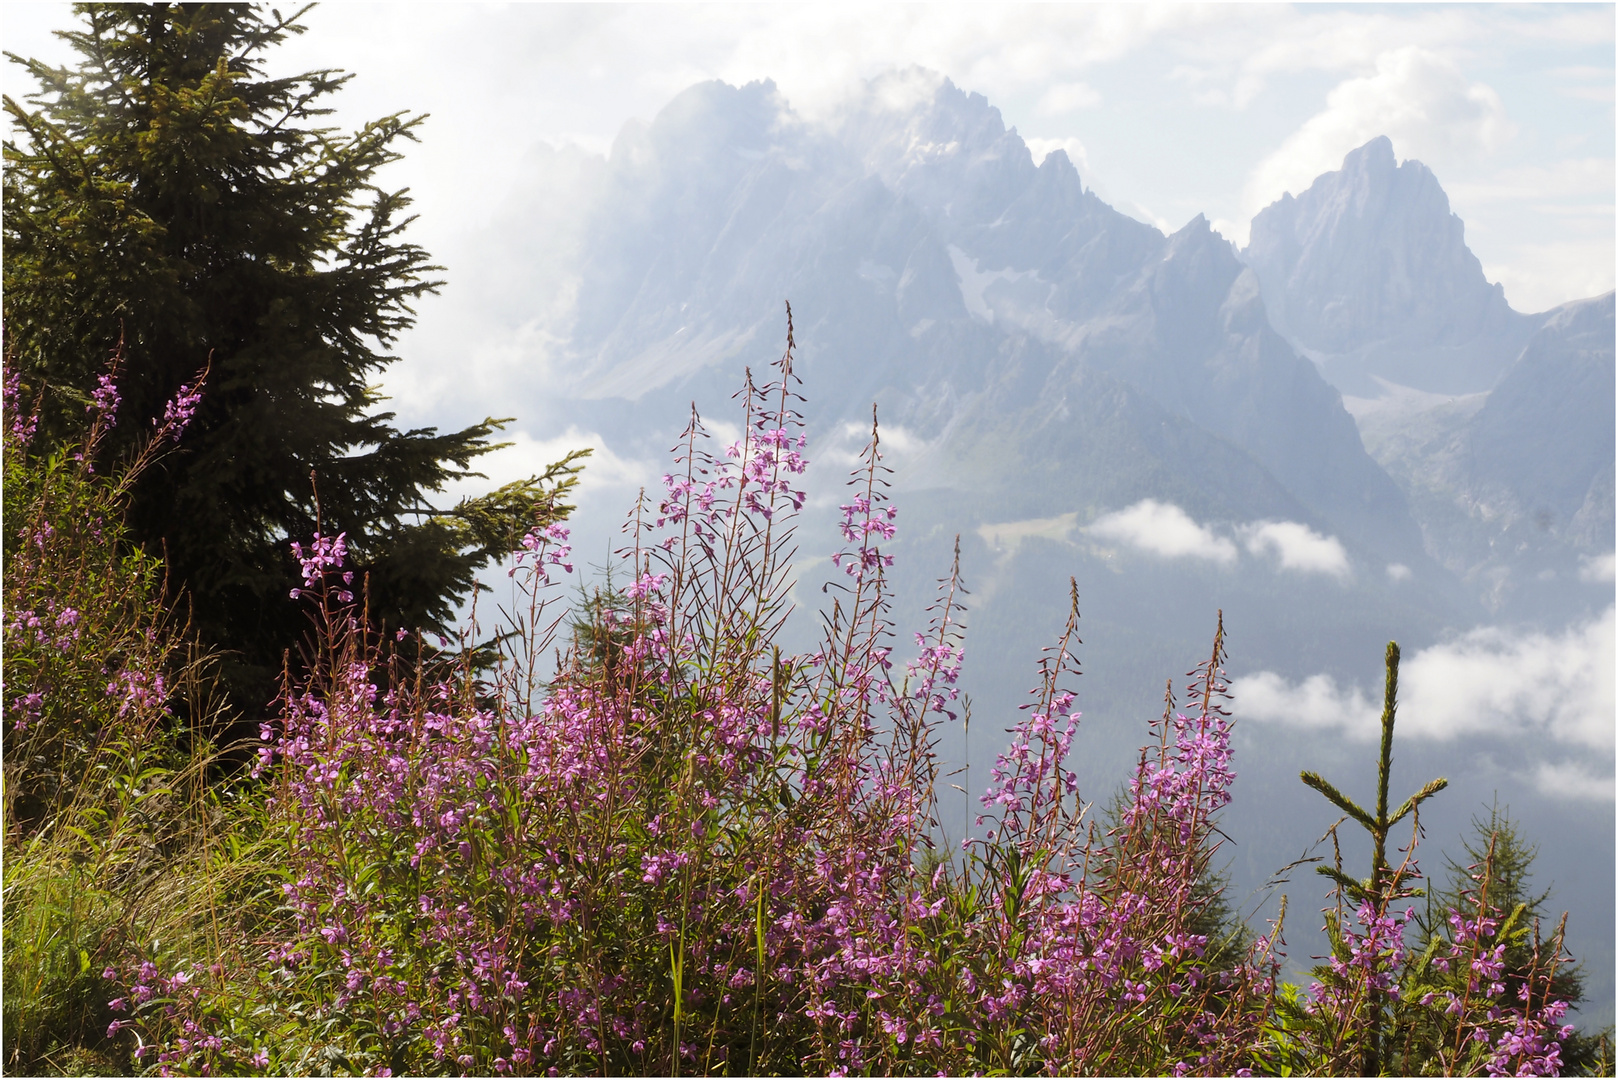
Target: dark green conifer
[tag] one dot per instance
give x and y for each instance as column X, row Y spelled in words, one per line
column 169, row 194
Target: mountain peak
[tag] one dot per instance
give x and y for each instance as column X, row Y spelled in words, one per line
column 714, row 116
column 1375, row 156
column 1059, row 163
column 1372, row 254
column 1197, row 226
column 946, row 149
column 915, row 116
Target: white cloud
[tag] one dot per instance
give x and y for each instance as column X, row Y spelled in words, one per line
column 1166, row 530
column 1298, row 546
column 1398, row 572
column 1163, row 529
column 1415, row 96
column 1316, row 703
column 1568, row 780
column 1598, row 568
column 528, row 456
column 1068, row 97
column 1491, row 682
column 1494, row 681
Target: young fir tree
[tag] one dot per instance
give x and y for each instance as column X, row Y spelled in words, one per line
column 1498, row 851
column 170, row 195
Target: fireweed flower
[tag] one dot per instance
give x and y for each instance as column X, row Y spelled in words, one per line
column 540, row 549
column 179, row 410
column 104, row 400
column 683, row 847
column 138, row 691
column 862, row 521
column 21, row 421
column 324, row 553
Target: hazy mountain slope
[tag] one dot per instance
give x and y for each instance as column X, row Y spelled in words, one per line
column 1369, row 273
column 1172, row 316
column 1514, row 488
column 1546, row 431
column 935, row 269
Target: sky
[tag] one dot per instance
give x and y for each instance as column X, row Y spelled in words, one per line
column 1168, row 111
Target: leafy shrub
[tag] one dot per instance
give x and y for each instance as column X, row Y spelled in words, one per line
column 104, row 784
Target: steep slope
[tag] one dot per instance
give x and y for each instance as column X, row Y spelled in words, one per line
column 935, row 269
column 1546, row 432
column 1514, row 488
column 1177, row 318
column 1368, row 272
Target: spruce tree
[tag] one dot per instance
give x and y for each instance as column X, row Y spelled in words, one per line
column 170, row 200
column 1498, row 850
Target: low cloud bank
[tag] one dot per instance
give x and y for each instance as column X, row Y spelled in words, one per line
column 1598, row 568
column 1317, row 702
column 1551, row 693
column 1164, row 529
column 1299, row 547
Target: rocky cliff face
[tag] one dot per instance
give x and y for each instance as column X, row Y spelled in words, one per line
column 1368, row 272
column 1497, row 426
column 936, row 270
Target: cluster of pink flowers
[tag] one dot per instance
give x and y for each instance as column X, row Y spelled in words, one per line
column 179, row 997
column 324, row 553
column 105, row 399
column 681, row 850
column 54, row 625
column 88, row 648
column 179, row 410
column 21, row 420
column 1521, row 1038
column 137, row 690
column 540, row 549
column 861, row 522
column 768, row 458
column 1531, row 1042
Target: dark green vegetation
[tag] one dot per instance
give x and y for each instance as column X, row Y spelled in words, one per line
column 169, row 198
column 113, row 831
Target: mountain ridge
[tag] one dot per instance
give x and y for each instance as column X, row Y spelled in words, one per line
column 935, row 269
column 931, row 221
column 1367, row 272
